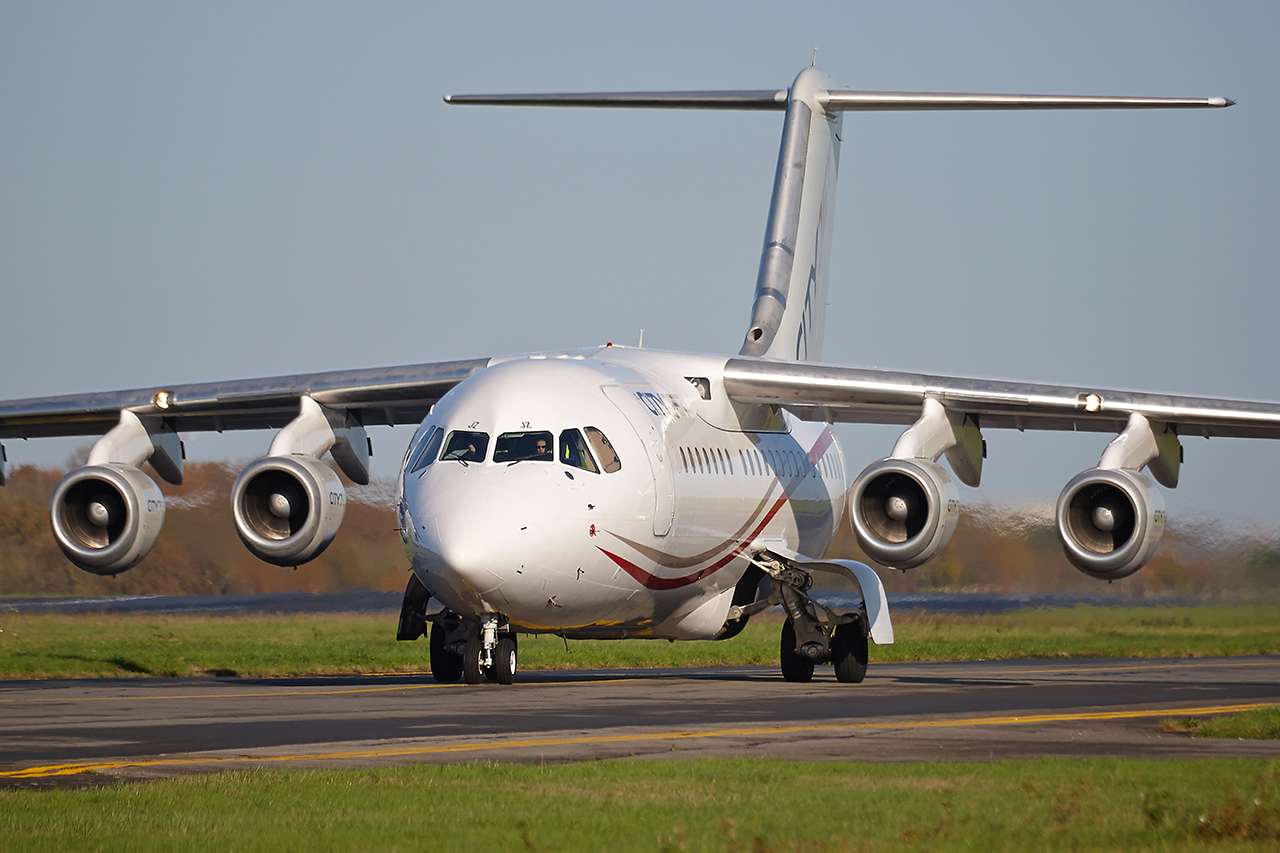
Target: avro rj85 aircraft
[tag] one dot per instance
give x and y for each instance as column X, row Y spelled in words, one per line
column 617, row 492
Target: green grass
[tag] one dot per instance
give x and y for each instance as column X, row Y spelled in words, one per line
column 92, row 645
column 1258, row 724
column 700, row 805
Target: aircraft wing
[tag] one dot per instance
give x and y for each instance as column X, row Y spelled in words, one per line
column 380, row 395
column 866, row 395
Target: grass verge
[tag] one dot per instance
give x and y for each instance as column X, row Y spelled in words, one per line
column 1258, row 724
column 699, row 805
column 94, row 645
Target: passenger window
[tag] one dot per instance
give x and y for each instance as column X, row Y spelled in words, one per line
column 425, row 453
column 519, row 446
column 604, row 450
column 574, row 453
column 466, row 446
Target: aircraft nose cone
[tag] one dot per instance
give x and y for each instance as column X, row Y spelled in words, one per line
column 467, row 539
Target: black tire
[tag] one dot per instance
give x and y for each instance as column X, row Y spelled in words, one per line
column 446, row 666
column 504, row 660
column 472, row 671
column 849, row 651
column 795, row 668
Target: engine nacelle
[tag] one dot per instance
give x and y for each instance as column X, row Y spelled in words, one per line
column 1110, row 522
column 287, row 508
column 903, row 511
column 106, row 517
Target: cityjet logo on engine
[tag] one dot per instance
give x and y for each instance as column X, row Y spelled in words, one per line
column 337, row 499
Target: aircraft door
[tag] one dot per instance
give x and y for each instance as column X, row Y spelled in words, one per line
column 648, row 426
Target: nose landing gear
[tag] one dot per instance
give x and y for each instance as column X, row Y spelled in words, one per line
column 472, row 650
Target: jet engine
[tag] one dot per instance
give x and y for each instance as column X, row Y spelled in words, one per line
column 287, row 509
column 903, row 511
column 106, row 517
column 1110, row 521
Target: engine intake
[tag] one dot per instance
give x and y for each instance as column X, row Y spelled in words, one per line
column 106, row 517
column 903, row 511
column 287, row 509
column 1110, row 522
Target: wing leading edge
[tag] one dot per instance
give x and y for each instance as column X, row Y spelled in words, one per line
column 867, row 395
column 380, row 395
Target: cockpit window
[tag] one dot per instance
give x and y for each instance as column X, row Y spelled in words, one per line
column 465, row 446
column 573, row 451
column 604, row 450
column 519, row 446
column 424, row 453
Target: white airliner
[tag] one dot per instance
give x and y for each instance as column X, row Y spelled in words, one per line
column 618, row 492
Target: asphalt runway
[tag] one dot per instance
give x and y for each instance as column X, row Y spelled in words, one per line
column 85, row 732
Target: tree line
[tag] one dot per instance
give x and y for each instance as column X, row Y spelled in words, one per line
column 996, row 548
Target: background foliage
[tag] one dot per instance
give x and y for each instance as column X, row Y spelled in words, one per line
column 996, row 548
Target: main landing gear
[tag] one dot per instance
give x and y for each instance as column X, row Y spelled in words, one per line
column 845, row 646
column 813, row 633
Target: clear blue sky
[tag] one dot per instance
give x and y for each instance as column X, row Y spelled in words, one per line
column 204, row 191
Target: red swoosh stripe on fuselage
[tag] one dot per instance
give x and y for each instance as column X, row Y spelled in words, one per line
column 654, row 582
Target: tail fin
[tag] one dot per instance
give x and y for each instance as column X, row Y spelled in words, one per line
column 791, row 289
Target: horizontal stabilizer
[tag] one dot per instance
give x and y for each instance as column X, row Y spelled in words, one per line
column 848, row 100
column 744, row 99
column 834, row 100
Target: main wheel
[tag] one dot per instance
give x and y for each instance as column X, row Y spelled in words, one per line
column 794, row 667
column 504, row 660
column 849, row 651
column 472, row 671
column 446, row 666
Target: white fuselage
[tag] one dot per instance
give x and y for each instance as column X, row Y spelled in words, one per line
column 651, row 549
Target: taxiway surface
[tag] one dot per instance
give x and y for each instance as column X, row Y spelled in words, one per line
column 903, row 712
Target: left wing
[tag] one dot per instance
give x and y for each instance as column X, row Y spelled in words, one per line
column 867, row 395
column 904, row 507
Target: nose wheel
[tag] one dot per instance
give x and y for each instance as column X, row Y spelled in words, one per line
column 473, row 663
column 504, row 660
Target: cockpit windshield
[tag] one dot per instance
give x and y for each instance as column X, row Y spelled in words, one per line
column 604, row 450
column 423, row 453
column 466, row 446
column 574, row 453
column 519, row 446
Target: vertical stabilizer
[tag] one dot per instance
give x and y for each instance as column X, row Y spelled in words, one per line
column 791, row 289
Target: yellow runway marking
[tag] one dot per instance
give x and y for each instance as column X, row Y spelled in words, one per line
column 438, row 749
column 1166, row 664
